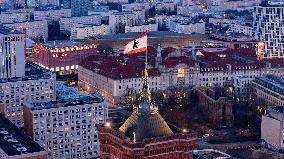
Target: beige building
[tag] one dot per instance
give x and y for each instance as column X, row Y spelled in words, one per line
column 170, row 68
column 269, row 89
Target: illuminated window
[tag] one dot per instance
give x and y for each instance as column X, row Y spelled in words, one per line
column 181, row 72
column 52, row 69
column 62, row 68
column 76, row 66
column 67, row 68
column 72, row 67
column 57, row 68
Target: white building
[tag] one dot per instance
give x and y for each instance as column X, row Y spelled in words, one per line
column 142, row 28
column 272, row 127
column 14, row 17
column 37, row 85
column 33, row 29
column 42, row 3
column 82, row 31
column 187, row 27
column 171, row 68
column 118, row 20
column 50, row 15
column 67, row 23
column 269, row 28
column 66, row 128
column 12, row 63
column 241, row 28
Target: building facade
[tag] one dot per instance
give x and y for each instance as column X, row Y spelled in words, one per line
column 50, row 15
column 33, row 29
column 82, row 31
column 172, row 68
column 62, row 56
column 81, row 7
column 268, row 27
column 269, row 89
column 272, row 127
column 12, row 53
column 66, row 128
column 67, row 23
column 38, row 84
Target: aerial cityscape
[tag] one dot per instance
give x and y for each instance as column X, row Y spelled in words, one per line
column 141, row 79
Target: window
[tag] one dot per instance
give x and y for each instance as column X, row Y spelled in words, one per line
column 181, row 72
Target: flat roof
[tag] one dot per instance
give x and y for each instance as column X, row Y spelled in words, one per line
column 7, row 31
column 64, row 43
column 14, row 142
column 152, row 34
column 80, row 100
column 32, row 72
column 272, row 82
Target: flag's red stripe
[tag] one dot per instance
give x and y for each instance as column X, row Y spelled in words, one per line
column 137, row 50
column 142, row 35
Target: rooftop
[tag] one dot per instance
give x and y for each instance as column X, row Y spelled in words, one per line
column 64, row 43
column 272, row 82
column 80, row 100
column 32, row 72
column 7, row 31
column 13, row 141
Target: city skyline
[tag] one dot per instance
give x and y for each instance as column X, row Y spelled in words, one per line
column 141, row 79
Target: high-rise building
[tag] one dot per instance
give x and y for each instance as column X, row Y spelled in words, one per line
column 269, row 27
column 37, row 85
column 81, row 7
column 145, row 134
column 65, row 127
column 12, row 57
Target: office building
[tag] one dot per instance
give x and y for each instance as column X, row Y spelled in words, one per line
column 53, row 14
column 66, row 127
column 37, row 30
column 12, row 53
column 81, row 7
column 38, row 84
column 268, row 26
column 67, row 23
column 82, row 31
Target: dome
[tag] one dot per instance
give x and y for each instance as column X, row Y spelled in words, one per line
column 141, row 125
